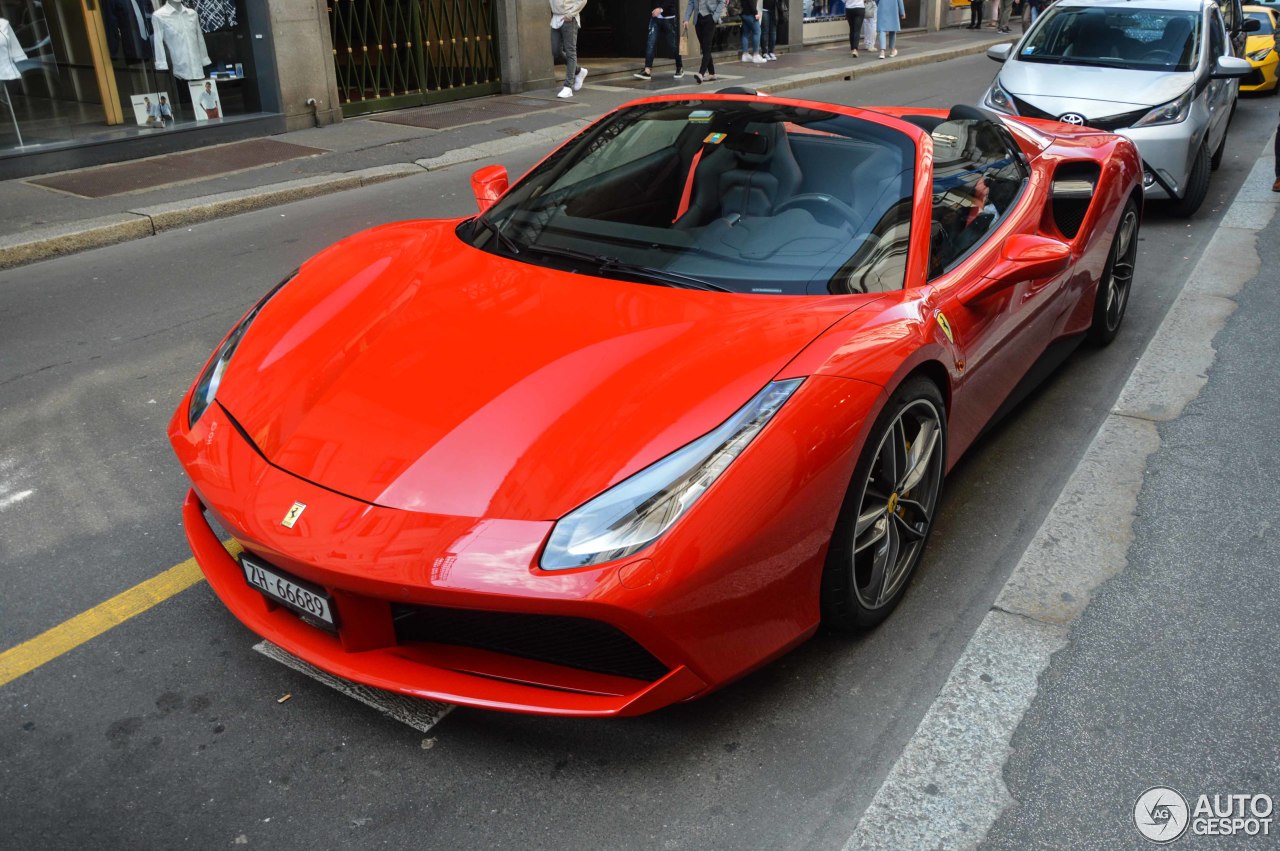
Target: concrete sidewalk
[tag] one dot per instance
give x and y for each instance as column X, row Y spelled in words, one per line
column 37, row 222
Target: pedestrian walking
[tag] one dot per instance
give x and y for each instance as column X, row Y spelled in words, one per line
column 768, row 29
column 855, row 12
column 751, row 32
column 869, row 25
column 1006, row 8
column 705, row 15
column 565, row 23
column 889, row 16
column 664, row 24
column 975, row 14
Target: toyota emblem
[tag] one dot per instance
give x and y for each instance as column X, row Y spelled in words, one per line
column 1071, row 118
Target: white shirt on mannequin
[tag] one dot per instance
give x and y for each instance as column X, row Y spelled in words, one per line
column 179, row 42
column 11, row 52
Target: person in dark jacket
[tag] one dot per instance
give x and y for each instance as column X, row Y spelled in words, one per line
column 705, row 14
column 975, row 14
column 664, row 23
column 768, row 29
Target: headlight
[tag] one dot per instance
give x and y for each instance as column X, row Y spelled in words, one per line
column 1259, row 55
column 636, row 511
column 1167, row 113
column 207, row 385
column 998, row 98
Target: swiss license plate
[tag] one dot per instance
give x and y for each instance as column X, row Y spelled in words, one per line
column 303, row 598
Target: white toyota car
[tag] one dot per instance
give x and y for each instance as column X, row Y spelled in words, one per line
column 1158, row 71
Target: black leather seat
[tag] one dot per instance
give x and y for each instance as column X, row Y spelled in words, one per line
column 749, row 174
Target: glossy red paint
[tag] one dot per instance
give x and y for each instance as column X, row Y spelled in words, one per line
column 437, row 408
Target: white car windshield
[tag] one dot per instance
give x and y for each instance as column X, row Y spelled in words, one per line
column 1115, row 37
column 744, row 195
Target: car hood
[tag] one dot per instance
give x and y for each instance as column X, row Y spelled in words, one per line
column 407, row 369
column 1257, row 42
column 1078, row 88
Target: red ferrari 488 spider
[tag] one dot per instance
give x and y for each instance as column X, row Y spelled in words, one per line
column 681, row 394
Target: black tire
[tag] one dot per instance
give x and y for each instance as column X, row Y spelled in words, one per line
column 1197, row 188
column 1117, row 279
column 1215, row 161
column 893, row 496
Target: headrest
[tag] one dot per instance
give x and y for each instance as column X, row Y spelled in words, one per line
column 753, row 146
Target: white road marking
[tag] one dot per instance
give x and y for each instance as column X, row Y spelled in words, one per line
column 421, row 715
column 12, row 499
column 947, row 788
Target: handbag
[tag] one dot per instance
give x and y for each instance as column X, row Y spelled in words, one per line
column 683, row 46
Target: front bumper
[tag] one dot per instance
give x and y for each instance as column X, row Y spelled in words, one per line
column 366, row 651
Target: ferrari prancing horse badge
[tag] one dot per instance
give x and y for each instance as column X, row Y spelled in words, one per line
column 292, row 515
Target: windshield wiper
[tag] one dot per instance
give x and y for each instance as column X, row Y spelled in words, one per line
column 605, row 263
column 505, row 241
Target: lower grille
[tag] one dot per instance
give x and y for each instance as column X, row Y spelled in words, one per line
column 572, row 642
column 1111, row 123
column 1253, row 78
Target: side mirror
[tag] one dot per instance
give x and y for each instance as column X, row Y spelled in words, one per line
column 1023, row 257
column 488, row 184
column 1251, row 25
column 1230, row 66
column 999, row 52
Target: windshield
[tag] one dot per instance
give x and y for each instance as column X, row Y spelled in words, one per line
column 1115, row 37
column 1264, row 22
column 739, row 195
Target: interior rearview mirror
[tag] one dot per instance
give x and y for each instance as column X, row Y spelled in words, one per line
column 488, row 184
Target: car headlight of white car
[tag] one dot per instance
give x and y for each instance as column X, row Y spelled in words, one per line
column 1168, row 113
column 998, row 98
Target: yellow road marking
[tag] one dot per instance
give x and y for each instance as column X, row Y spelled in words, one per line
column 70, row 634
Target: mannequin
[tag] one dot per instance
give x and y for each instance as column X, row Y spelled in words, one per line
column 179, row 42
column 11, row 53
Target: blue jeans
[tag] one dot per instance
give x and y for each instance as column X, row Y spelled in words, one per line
column 750, row 34
column 670, row 28
column 768, row 32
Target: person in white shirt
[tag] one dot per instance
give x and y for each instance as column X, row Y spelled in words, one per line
column 11, row 52
column 208, row 101
column 178, row 41
column 565, row 23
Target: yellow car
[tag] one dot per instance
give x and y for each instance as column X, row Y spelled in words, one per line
column 1260, row 50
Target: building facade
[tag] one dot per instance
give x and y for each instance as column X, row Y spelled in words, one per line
column 94, row 81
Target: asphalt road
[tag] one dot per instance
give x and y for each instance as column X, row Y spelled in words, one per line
column 166, row 731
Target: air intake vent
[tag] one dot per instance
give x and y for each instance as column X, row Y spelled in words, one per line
column 573, row 642
column 1073, row 188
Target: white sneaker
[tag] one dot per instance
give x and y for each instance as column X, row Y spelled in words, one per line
column 746, row 57
column 893, row 52
column 679, row 75
column 566, row 92
column 758, row 59
column 771, row 57
column 577, row 81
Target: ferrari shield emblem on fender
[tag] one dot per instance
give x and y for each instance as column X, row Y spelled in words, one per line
column 292, row 515
column 945, row 326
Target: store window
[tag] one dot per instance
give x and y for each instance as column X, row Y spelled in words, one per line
column 77, row 71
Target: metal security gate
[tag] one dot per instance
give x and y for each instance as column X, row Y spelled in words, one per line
column 390, row 54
